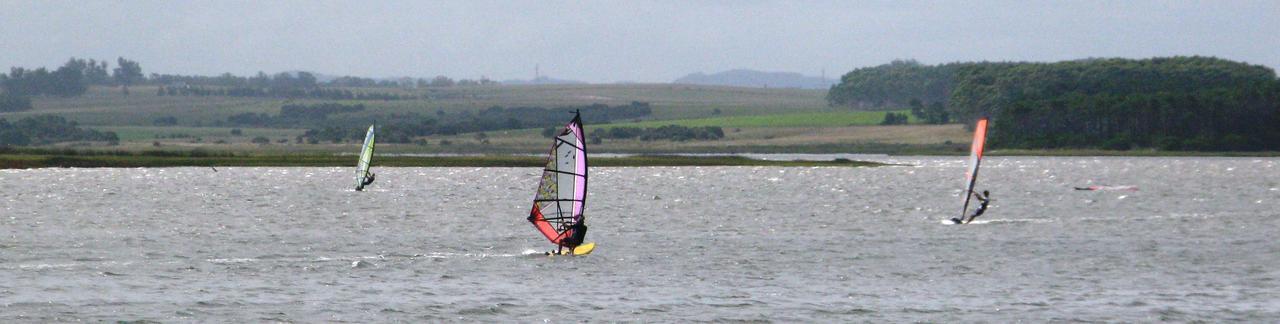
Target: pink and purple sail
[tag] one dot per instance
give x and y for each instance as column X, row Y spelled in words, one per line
column 563, row 191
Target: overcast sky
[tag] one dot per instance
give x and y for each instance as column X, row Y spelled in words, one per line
column 606, row 41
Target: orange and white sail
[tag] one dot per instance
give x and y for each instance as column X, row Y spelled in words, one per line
column 975, row 160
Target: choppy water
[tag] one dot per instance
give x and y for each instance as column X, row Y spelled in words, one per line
column 1198, row 241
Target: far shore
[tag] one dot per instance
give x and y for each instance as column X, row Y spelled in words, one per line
column 29, row 161
column 27, row 158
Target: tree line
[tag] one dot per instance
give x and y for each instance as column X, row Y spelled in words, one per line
column 71, row 79
column 293, row 115
column 275, row 92
column 303, row 79
column 668, row 132
column 75, row 76
column 1173, row 103
column 280, row 85
column 894, row 85
column 49, row 129
column 334, row 122
column 11, row 103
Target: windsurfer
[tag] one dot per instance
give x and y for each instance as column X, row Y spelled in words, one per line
column 577, row 235
column 368, row 178
column 984, row 199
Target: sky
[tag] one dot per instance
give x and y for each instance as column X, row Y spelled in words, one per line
column 619, row 41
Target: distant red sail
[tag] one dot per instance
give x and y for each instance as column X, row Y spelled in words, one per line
column 975, row 160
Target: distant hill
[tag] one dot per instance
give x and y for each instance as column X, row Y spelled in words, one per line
column 752, row 78
column 541, row 80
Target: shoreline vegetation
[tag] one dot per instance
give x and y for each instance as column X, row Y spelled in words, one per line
column 169, row 159
column 36, row 158
column 78, row 115
column 1175, row 103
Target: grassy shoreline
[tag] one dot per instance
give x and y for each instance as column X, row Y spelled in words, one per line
column 1130, row 153
column 29, row 161
column 26, row 158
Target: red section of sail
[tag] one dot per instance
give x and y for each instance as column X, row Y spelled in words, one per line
column 979, row 138
column 539, row 222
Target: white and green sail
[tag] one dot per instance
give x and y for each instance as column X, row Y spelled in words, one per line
column 363, row 177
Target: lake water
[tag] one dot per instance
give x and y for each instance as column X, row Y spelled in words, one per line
column 1197, row 241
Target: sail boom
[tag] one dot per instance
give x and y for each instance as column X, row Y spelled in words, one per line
column 556, row 200
column 564, row 172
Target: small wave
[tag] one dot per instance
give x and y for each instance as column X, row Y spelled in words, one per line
column 1173, row 216
column 1170, row 314
column 231, row 260
column 214, row 303
column 35, row 304
column 741, row 320
column 446, row 255
column 1036, row 304
column 1001, row 220
column 41, row 266
column 385, row 257
column 741, row 304
column 927, row 311
column 271, row 257
column 496, row 309
column 1012, row 220
column 845, row 311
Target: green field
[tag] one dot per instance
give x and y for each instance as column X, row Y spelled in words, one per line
column 103, row 106
column 754, row 120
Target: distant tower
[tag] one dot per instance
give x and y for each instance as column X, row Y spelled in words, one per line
column 536, row 73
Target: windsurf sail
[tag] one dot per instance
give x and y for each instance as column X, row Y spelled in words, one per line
column 366, row 157
column 562, row 193
column 975, row 160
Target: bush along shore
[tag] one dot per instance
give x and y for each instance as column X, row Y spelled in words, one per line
column 36, row 159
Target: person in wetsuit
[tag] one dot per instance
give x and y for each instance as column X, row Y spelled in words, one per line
column 574, row 239
column 367, row 180
column 984, row 198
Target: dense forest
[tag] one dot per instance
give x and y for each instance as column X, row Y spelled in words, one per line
column 11, row 103
column 48, row 129
column 894, row 85
column 280, row 85
column 668, row 133
column 313, row 92
column 75, row 76
column 304, row 79
column 1176, row 103
column 70, row 80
